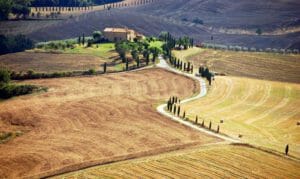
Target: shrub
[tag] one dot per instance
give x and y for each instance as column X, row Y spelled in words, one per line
column 90, row 72
column 4, row 75
column 10, row 90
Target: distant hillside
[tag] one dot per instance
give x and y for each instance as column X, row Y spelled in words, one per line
column 230, row 22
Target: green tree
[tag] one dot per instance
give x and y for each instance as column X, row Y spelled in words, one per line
column 155, row 52
column 97, row 36
column 4, row 76
column 134, row 54
column 21, row 8
column 5, row 8
column 122, row 48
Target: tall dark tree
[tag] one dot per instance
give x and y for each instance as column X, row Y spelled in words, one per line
column 83, row 39
column 287, row 149
column 127, row 65
column 104, row 67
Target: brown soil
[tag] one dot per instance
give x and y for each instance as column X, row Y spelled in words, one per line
column 87, row 121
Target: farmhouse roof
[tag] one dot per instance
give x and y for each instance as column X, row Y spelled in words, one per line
column 110, row 29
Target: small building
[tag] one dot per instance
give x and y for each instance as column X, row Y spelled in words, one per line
column 120, row 34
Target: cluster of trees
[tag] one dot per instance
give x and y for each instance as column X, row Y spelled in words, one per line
column 180, row 65
column 11, row 44
column 205, row 73
column 8, row 90
column 20, row 8
column 56, row 45
column 137, row 49
column 172, row 43
column 97, row 37
column 173, row 106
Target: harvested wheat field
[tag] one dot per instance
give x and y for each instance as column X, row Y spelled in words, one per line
column 264, row 113
column 51, row 62
column 267, row 66
column 217, row 161
column 86, row 121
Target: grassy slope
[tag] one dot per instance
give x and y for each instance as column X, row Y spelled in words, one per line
column 208, row 162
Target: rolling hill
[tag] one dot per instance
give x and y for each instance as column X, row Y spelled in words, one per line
column 230, row 22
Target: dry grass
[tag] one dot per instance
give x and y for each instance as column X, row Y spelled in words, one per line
column 221, row 161
column 50, row 62
column 87, row 121
column 265, row 113
column 268, row 66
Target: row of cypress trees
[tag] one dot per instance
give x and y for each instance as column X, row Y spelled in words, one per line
column 173, row 106
column 180, row 65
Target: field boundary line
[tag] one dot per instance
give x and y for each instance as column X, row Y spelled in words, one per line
column 203, row 92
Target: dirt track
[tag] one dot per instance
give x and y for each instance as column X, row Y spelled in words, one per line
column 86, row 121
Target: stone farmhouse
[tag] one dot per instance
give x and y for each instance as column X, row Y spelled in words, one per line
column 121, row 34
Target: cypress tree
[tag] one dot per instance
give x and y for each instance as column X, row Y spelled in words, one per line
column 196, row 121
column 178, row 111
column 202, row 123
column 104, row 67
column 83, row 39
column 173, row 100
column 138, row 62
column 218, row 129
column 127, row 65
column 147, row 61
column 192, row 69
column 287, row 149
column 174, row 110
column 79, row 40
column 171, row 107
column 209, row 125
column 183, row 115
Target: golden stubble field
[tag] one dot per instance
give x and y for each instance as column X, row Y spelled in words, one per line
column 257, row 101
column 215, row 161
column 86, row 121
column 258, row 65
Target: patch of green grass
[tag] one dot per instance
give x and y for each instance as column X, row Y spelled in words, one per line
column 100, row 50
